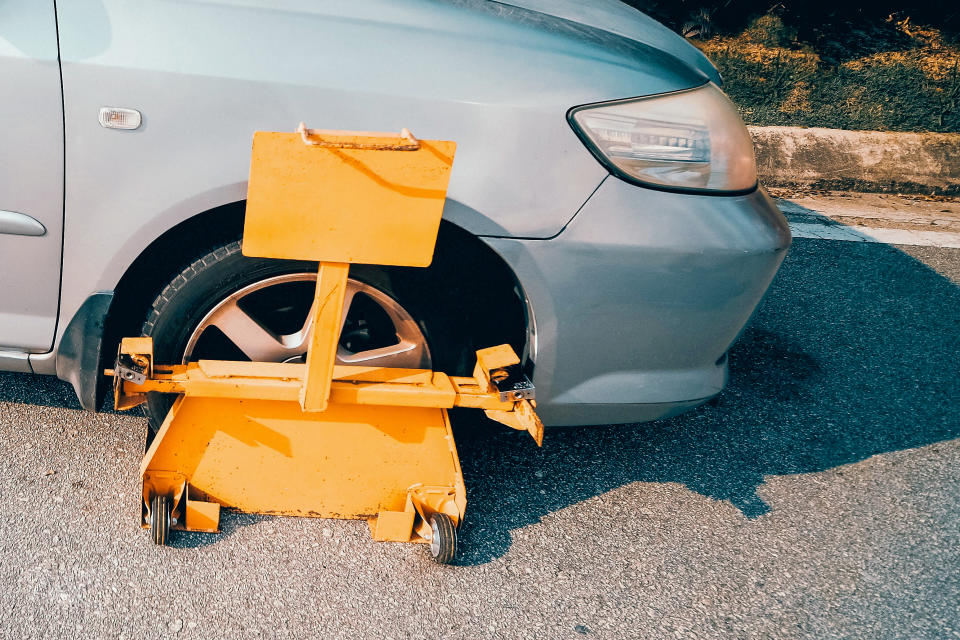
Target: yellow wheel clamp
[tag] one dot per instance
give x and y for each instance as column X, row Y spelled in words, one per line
column 319, row 439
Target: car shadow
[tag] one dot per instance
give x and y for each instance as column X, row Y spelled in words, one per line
column 230, row 521
column 853, row 353
column 49, row 391
column 44, row 391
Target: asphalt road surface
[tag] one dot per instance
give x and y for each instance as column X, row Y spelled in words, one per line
column 818, row 497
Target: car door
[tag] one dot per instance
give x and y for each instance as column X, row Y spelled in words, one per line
column 31, row 175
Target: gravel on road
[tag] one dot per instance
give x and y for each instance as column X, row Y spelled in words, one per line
column 818, row 496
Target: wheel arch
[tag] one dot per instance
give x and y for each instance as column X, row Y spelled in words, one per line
column 493, row 300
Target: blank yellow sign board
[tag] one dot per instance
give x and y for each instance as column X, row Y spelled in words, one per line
column 332, row 202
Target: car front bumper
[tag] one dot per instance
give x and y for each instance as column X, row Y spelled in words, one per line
column 636, row 302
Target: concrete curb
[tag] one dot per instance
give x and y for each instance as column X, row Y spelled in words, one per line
column 874, row 217
column 877, row 161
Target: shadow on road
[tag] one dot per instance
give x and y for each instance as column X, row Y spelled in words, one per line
column 230, row 521
column 44, row 391
column 853, row 353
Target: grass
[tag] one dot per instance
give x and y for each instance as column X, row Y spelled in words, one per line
column 909, row 82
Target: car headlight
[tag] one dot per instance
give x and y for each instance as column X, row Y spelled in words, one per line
column 691, row 140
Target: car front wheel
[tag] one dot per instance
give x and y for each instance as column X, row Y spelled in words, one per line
column 226, row 306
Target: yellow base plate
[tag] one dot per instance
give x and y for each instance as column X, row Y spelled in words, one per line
column 268, row 456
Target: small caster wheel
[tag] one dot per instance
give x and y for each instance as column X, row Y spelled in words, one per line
column 160, row 508
column 443, row 541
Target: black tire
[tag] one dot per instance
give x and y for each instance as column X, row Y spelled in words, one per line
column 443, row 546
column 160, row 515
column 186, row 300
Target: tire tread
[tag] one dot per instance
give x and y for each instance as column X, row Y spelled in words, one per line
column 182, row 280
column 448, row 538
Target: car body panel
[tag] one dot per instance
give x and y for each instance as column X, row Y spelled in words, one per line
column 620, row 18
column 634, row 295
column 31, row 175
column 206, row 74
column 640, row 297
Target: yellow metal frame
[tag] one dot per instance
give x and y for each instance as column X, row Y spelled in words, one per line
column 317, row 439
column 382, row 450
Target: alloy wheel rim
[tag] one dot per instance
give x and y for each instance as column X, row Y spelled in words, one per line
column 402, row 345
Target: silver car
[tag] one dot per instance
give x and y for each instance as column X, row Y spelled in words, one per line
column 603, row 215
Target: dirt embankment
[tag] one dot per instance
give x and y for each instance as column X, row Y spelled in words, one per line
column 911, row 82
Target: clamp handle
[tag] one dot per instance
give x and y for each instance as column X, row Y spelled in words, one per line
column 410, row 142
